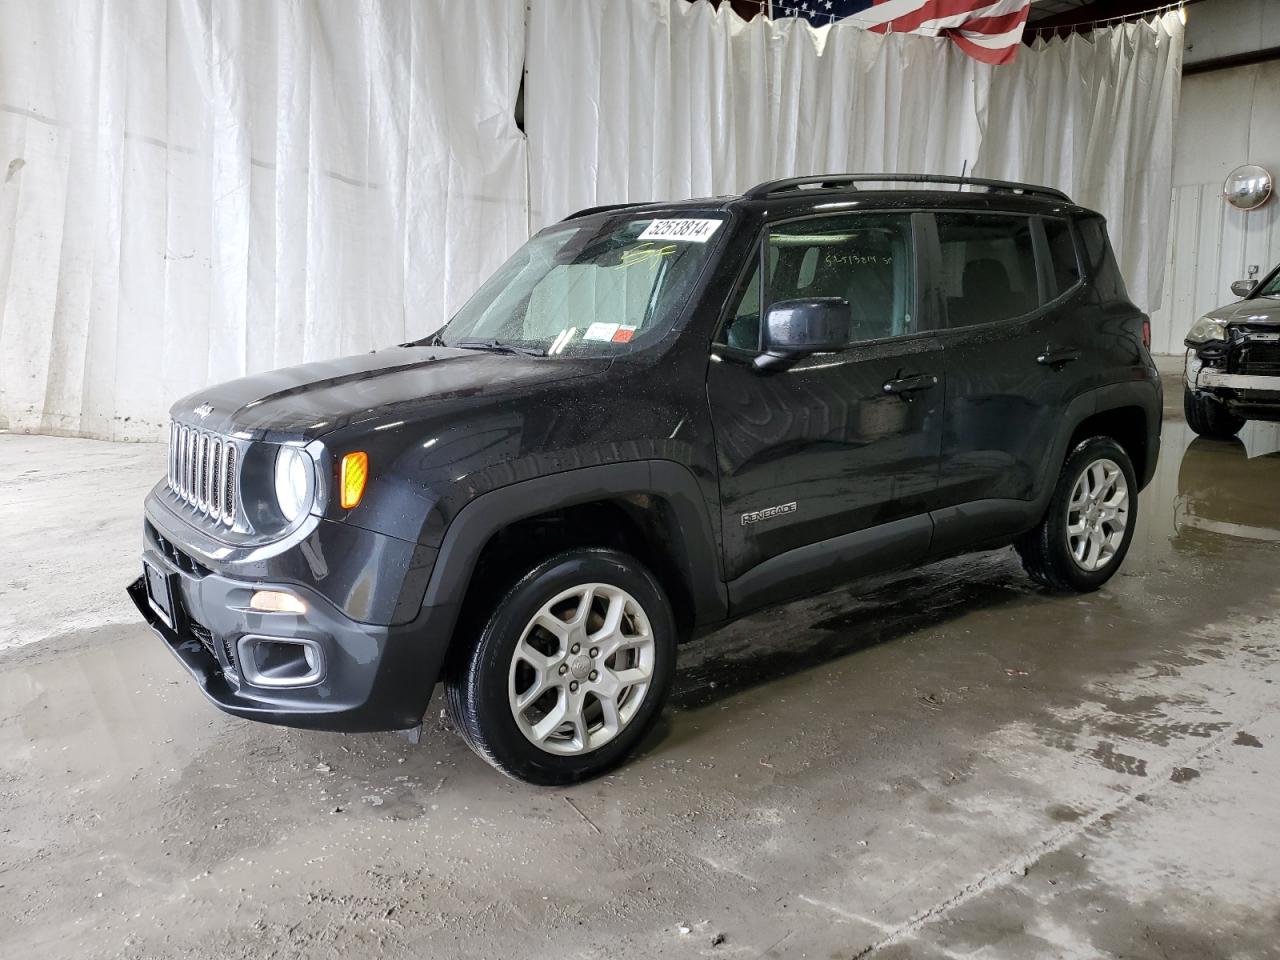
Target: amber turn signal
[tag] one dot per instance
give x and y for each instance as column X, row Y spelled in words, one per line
column 355, row 471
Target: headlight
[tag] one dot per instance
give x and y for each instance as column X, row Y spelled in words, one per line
column 1206, row 330
column 294, row 476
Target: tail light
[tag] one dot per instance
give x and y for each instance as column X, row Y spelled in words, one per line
column 1146, row 332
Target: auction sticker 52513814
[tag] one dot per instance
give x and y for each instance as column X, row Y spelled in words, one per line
column 687, row 229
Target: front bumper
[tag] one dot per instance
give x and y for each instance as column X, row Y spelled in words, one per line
column 373, row 677
column 1210, row 379
column 1250, row 395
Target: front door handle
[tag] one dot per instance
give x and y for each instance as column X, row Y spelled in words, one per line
column 1058, row 357
column 907, row 385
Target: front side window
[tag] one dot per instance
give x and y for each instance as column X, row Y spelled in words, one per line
column 865, row 259
column 988, row 267
column 601, row 286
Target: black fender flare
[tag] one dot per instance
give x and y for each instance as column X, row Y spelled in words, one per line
column 695, row 546
column 1147, row 395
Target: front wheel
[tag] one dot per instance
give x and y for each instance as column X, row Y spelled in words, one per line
column 1208, row 417
column 1089, row 525
column 569, row 672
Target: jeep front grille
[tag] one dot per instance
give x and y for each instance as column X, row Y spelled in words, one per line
column 203, row 471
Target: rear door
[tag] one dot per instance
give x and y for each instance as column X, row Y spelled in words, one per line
column 827, row 448
column 1011, row 285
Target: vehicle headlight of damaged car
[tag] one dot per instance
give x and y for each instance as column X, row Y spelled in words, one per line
column 1206, row 330
column 294, row 482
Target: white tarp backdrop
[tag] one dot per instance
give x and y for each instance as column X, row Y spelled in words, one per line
column 650, row 99
column 193, row 190
column 190, row 191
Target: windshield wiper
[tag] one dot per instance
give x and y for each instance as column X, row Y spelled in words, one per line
column 497, row 346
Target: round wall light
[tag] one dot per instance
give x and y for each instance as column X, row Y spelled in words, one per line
column 1247, row 187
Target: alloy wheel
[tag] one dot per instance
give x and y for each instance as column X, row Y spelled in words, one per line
column 581, row 668
column 1097, row 515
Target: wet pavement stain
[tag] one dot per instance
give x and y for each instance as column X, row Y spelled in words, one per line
column 1107, row 755
column 1184, row 774
column 1246, row 740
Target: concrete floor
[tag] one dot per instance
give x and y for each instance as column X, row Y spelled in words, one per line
column 942, row 764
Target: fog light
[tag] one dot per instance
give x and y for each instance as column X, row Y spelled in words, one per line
column 276, row 601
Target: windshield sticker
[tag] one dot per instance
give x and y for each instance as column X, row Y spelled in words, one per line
column 600, row 331
column 688, row 230
column 624, row 334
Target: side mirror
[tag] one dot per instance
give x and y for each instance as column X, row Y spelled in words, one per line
column 1242, row 288
column 794, row 329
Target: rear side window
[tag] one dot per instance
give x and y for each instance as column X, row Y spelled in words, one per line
column 1099, row 261
column 988, row 267
column 1062, row 254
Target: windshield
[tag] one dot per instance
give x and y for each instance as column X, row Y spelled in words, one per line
column 600, row 287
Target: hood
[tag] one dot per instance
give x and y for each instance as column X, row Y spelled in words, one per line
column 1254, row 310
column 312, row 399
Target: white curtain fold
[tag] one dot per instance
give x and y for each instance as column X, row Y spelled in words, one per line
column 657, row 99
column 662, row 99
column 208, row 189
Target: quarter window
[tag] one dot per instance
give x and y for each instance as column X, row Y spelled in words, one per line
column 1104, row 274
column 1062, row 255
column 865, row 259
column 988, row 267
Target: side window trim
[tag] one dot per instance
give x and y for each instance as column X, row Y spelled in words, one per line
column 751, row 266
column 1045, row 279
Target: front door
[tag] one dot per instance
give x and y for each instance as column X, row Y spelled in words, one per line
column 840, row 444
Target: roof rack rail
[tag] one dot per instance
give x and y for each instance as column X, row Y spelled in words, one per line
column 603, row 208
column 769, row 188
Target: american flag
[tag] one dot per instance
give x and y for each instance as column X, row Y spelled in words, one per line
column 987, row 30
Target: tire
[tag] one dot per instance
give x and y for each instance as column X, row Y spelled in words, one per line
column 1208, row 417
column 1050, row 552
column 493, row 685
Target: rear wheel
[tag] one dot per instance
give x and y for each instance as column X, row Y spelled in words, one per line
column 1208, row 417
column 1089, row 524
column 570, row 671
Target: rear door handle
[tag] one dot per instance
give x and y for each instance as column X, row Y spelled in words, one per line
column 1058, row 357
column 908, row 385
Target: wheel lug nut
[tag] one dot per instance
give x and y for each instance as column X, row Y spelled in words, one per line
column 573, row 687
column 563, row 669
column 593, row 675
column 595, row 651
column 575, row 648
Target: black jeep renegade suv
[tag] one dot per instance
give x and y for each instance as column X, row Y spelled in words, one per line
column 653, row 418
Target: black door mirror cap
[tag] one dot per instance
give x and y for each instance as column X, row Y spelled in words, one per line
column 794, row 329
column 1242, row 288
